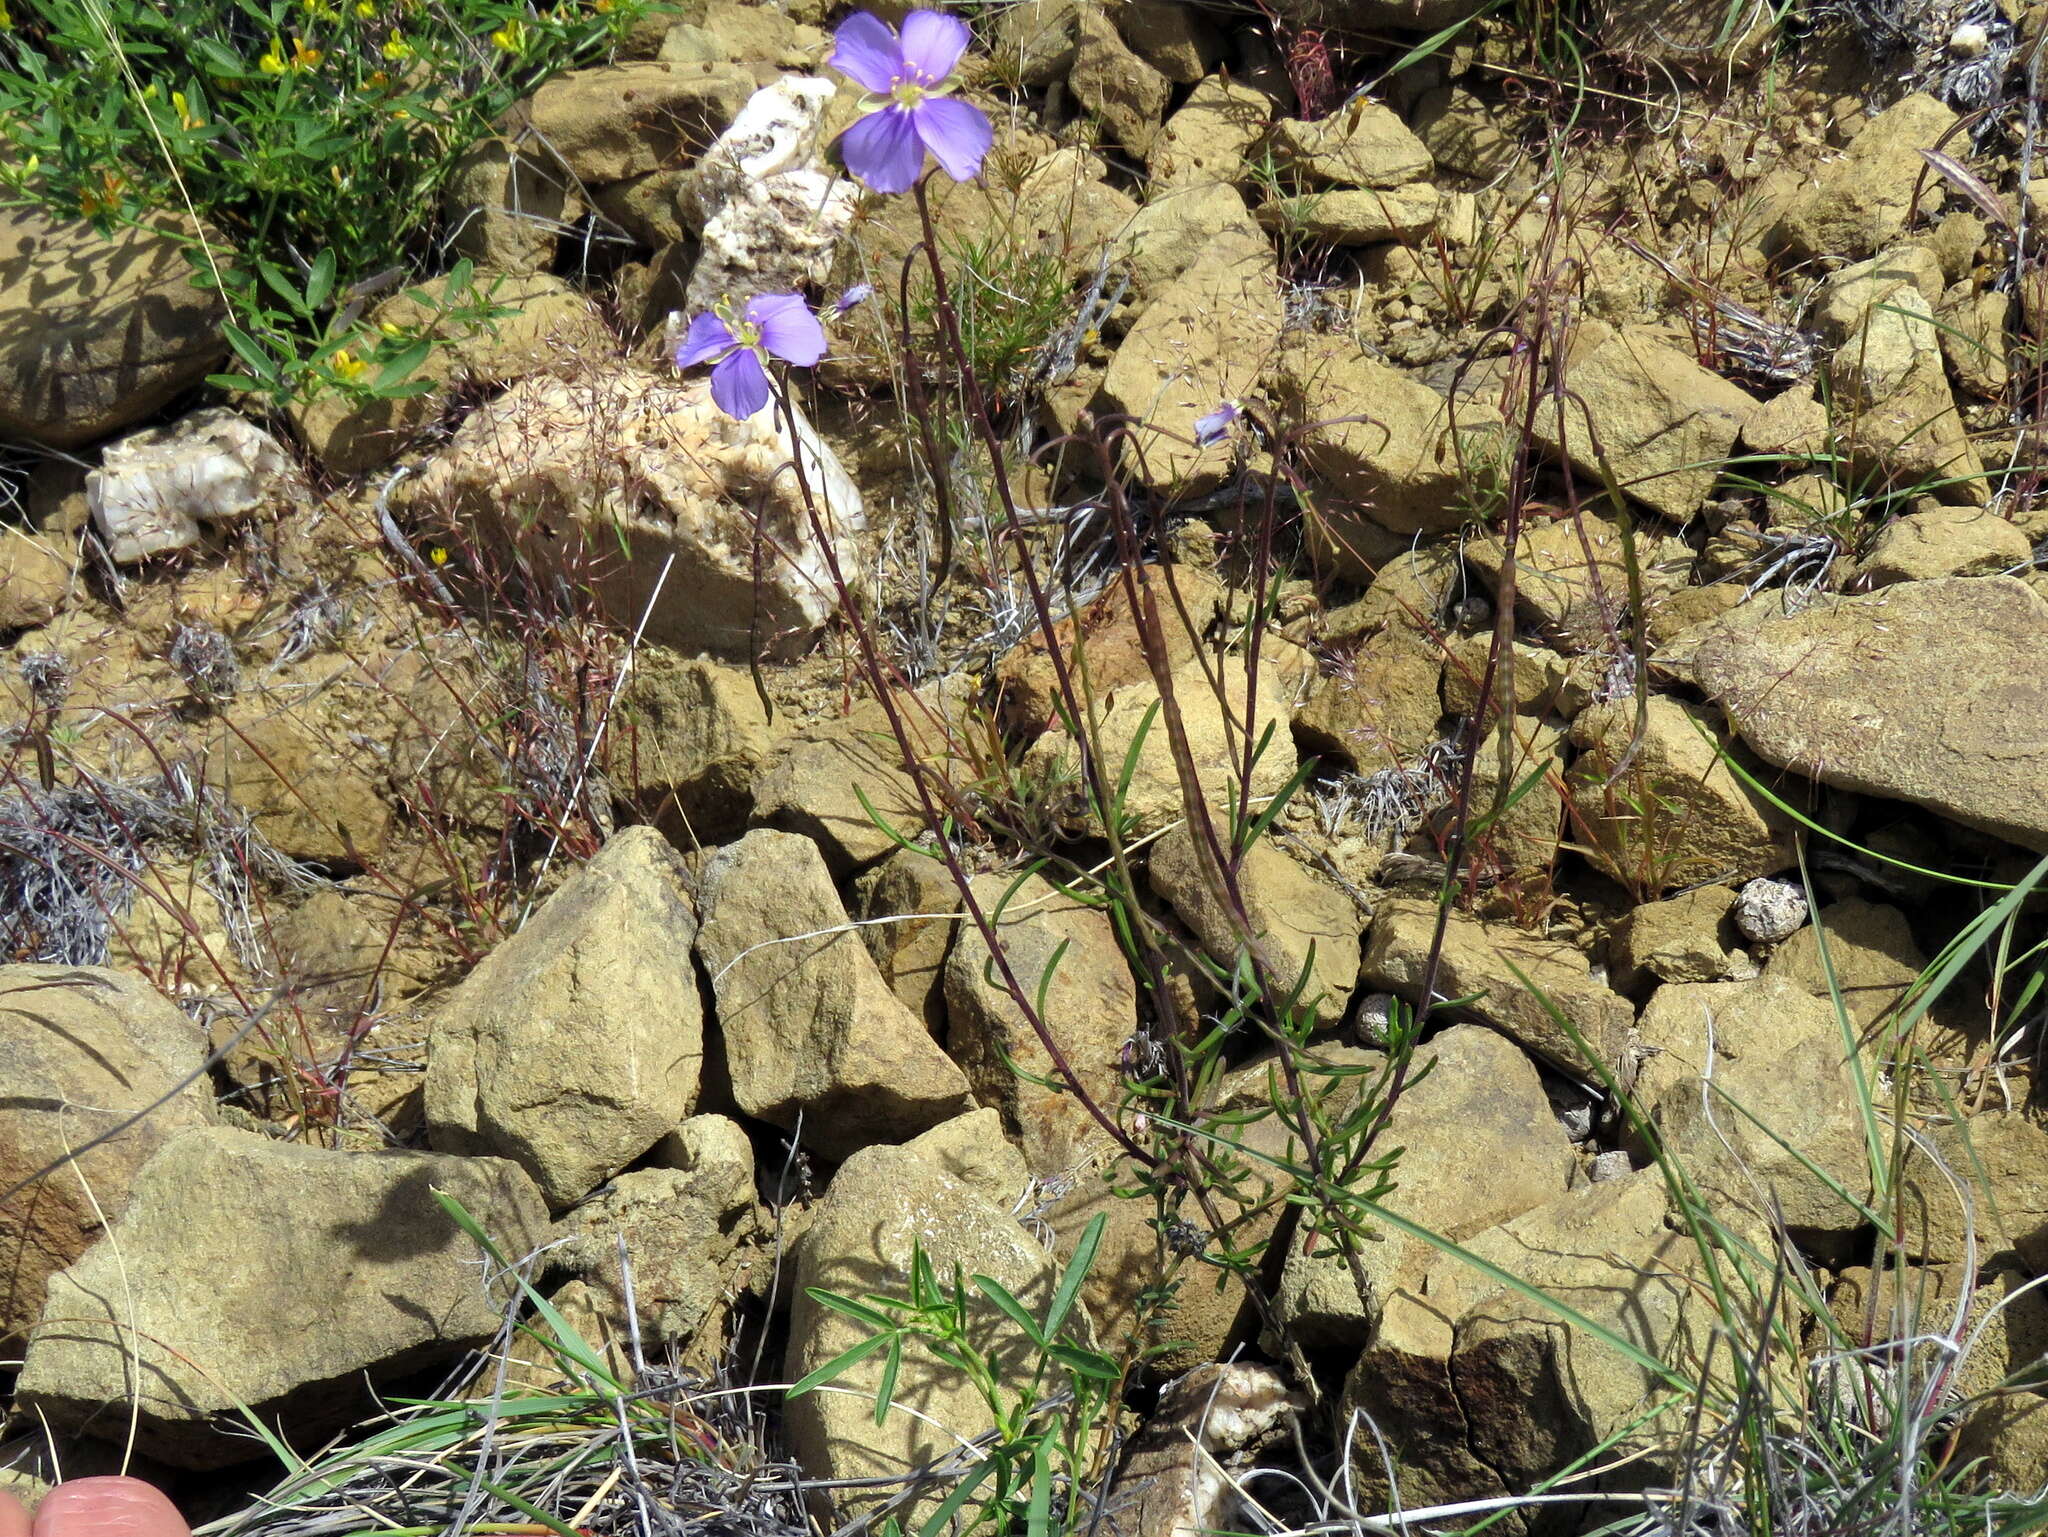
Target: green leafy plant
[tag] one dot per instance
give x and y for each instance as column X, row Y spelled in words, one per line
column 308, row 139
column 1046, row 1421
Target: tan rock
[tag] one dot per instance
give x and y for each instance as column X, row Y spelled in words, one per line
column 1677, row 815
column 1516, row 795
column 832, row 780
column 654, row 498
column 1066, row 958
column 1751, row 1085
column 1374, row 709
column 81, row 1050
column 1203, row 340
column 1664, row 423
column 1479, row 1144
column 1542, row 682
column 909, row 908
column 35, row 580
column 1205, row 1311
column 1936, row 541
column 680, row 1225
column 1888, row 374
column 1870, row 951
column 1974, row 339
column 1925, row 691
column 1476, row 964
column 1998, row 1163
column 973, row 1149
column 507, row 202
column 1173, row 38
column 1361, row 144
column 620, row 120
column 1575, row 602
column 1461, row 134
column 1380, row 438
column 346, row 1272
column 1217, row 730
column 1123, row 92
column 1856, row 204
column 1168, row 233
column 304, row 783
column 1349, row 216
column 103, row 330
column 690, row 737
column 1687, row 938
column 1104, row 645
column 578, row 1043
column 815, row 1041
column 884, row 1204
column 1208, row 135
column 1480, row 1391
column 1307, row 930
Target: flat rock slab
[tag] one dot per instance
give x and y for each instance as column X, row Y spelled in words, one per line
column 1931, row 692
column 251, row 1273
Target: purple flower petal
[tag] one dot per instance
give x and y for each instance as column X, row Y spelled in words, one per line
column 932, row 45
column 883, row 150
column 708, row 338
column 1212, row 428
column 788, row 328
column 739, row 385
column 957, row 134
column 865, row 50
column 858, row 294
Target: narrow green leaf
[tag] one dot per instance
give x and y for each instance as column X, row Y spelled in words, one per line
column 1014, row 1310
column 1076, row 1275
column 852, row 1356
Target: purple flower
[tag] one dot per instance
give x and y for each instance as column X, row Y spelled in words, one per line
column 885, row 149
column 858, row 294
column 1216, row 425
column 771, row 326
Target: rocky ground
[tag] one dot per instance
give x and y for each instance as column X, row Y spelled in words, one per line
column 1630, row 538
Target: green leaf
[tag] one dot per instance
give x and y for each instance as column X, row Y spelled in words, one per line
column 1014, row 1310
column 399, row 365
column 320, row 281
column 851, row 1356
column 860, row 1312
column 1038, row 1508
column 1085, row 1363
column 885, row 1394
column 1076, row 1274
column 941, row 1519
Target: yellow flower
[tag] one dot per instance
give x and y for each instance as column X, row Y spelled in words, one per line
column 366, row 9
column 319, row 10
column 304, row 57
column 602, row 7
column 511, row 38
column 378, row 80
column 6, row 16
column 347, row 365
column 396, row 47
column 187, row 118
column 389, row 329
column 438, row 554
column 272, row 63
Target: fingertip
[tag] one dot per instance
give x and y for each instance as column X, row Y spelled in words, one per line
column 13, row 1516
column 108, row 1507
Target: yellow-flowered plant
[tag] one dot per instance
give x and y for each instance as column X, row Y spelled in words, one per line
column 303, row 132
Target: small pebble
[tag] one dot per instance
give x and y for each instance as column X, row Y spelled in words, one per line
column 1768, row 912
column 1611, row 1165
column 1375, row 1016
column 1969, row 41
